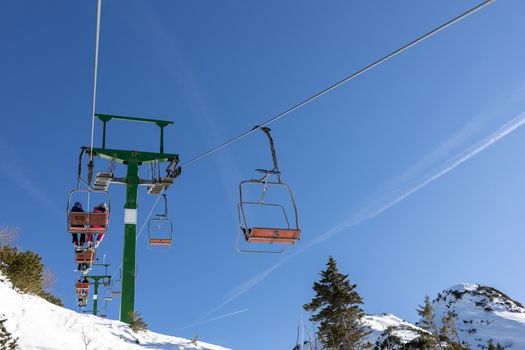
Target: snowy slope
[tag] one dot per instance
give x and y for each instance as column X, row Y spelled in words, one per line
column 382, row 325
column 41, row 325
column 483, row 313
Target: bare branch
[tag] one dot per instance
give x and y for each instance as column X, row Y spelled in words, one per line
column 8, row 235
column 86, row 338
column 48, row 279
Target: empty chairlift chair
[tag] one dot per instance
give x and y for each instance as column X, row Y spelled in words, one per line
column 288, row 232
column 160, row 228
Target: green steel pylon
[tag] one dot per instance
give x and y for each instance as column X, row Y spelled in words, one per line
column 96, row 281
column 133, row 160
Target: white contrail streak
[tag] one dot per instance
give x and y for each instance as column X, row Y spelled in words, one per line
column 383, row 204
column 215, row 319
column 450, row 165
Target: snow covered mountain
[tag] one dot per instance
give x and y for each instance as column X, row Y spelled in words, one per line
column 41, row 325
column 483, row 313
column 385, row 325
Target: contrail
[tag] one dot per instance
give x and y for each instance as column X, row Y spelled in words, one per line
column 383, row 204
column 215, row 319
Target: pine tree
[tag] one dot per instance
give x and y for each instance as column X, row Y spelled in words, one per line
column 7, row 342
column 336, row 307
column 427, row 322
column 449, row 333
column 491, row 346
column 25, row 271
column 195, row 340
column 137, row 323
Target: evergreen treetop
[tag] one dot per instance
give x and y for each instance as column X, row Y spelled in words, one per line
column 336, row 308
column 427, row 322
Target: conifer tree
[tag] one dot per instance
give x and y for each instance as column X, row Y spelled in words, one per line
column 449, row 333
column 336, row 308
column 427, row 322
column 491, row 346
column 24, row 269
column 137, row 323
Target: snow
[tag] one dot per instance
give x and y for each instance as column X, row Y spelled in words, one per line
column 40, row 325
column 404, row 330
column 483, row 314
column 464, row 287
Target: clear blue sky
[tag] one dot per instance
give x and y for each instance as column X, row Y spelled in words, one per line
column 219, row 68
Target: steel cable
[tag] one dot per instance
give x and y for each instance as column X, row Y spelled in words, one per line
column 343, row 81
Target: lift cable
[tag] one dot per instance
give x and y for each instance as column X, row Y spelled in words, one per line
column 343, row 81
column 97, row 40
column 143, row 225
column 300, row 104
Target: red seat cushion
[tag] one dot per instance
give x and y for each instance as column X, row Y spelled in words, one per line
column 158, row 241
column 273, row 235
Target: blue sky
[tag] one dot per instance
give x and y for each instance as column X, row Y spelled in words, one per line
column 217, row 69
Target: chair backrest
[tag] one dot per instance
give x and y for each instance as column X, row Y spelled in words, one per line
column 85, row 257
column 76, row 218
column 82, row 285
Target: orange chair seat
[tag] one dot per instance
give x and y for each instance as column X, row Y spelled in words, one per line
column 160, row 241
column 86, row 257
column 272, row 235
column 87, row 229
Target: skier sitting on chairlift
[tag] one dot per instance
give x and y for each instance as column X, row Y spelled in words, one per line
column 101, row 208
column 82, row 297
column 77, row 207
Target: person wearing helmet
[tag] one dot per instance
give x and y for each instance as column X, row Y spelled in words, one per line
column 101, row 208
column 77, row 208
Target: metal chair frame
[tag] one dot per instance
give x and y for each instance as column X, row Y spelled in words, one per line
column 265, row 181
column 86, row 229
column 158, row 219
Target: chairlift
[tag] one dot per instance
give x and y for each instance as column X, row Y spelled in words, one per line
column 87, row 222
column 288, row 232
column 82, row 290
column 86, row 257
column 160, row 228
column 107, row 294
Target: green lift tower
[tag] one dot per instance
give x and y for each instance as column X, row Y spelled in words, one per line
column 156, row 186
